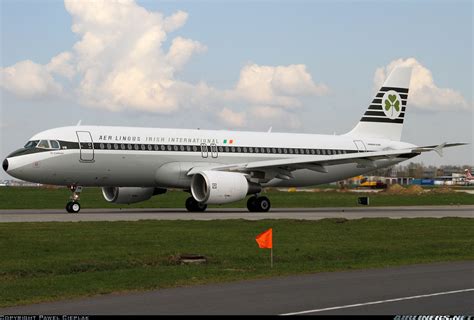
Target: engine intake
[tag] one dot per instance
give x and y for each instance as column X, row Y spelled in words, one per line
column 217, row 187
column 128, row 195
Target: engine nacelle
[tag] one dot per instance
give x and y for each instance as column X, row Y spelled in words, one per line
column 217, row 187
column 127, row 195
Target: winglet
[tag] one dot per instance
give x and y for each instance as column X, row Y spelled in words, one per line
column 439, row 149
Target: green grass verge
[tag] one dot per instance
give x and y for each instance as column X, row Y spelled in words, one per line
column 51, row 261
column 39, row 198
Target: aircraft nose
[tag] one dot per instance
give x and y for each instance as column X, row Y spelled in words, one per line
column 5, row 165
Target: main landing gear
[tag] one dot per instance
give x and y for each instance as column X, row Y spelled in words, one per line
column 193, row 206
column 254, row 204
column 258, row 204
column 73, row 205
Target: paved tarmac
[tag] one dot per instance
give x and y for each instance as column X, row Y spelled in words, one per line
column 42, row 215
column 439, row 289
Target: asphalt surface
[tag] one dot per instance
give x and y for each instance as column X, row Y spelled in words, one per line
column 442, row 288
column 43, row 215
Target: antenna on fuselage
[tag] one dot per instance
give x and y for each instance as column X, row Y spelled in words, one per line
column 269, row 130
column 78, row 123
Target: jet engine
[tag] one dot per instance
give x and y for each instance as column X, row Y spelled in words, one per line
column 127, row 195
column 217, row 187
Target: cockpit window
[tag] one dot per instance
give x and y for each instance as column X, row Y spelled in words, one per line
column 43, row 144
column 54, row 144
column 31, row 144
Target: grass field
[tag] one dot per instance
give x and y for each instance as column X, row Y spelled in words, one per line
column 50, row 261
column 26, row 198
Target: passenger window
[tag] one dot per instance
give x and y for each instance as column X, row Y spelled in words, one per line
column 54, row 144
column 43, row 144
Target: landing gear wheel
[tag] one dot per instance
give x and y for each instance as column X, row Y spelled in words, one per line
column 263, row 204
column 193, row 206
column 73, row 207
column 251, row 204
column 258, row 204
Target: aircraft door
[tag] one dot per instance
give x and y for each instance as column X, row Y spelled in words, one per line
column 214, row 153
column 86, row 146
column 360, row 146
column 204, row 152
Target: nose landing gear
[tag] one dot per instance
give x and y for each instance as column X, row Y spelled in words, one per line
column 73, row 205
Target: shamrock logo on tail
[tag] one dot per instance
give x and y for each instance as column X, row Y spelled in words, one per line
column 392, row 103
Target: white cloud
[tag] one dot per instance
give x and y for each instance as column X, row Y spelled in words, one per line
column 266, row 112
column 235, row 119
column 181, row 51
column 424, row 93
column 124, row 65
column 275, row 116
column 280, row 85
column 29, row 80
column 61, row 64
column 175, row 21
column 121, row 61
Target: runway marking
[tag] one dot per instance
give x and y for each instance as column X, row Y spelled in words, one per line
column 377, row 302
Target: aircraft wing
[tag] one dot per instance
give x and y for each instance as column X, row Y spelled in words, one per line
column 283, row 167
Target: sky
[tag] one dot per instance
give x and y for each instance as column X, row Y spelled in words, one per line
column 295, row 66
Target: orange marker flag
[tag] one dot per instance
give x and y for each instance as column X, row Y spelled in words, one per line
column 265, row 240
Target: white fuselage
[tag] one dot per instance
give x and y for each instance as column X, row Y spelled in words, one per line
column 152, row 157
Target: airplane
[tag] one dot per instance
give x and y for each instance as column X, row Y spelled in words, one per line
column 469, row 179
column 216, row 166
